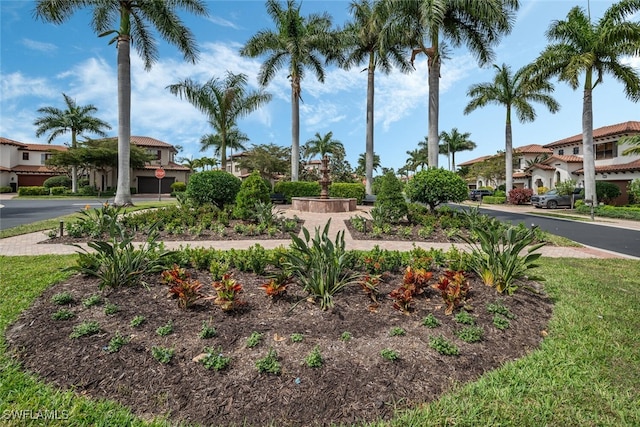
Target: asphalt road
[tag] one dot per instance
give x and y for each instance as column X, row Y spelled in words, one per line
column 18, row 212
column 614, row 239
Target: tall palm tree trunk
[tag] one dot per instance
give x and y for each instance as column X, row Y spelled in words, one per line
column 295, row 127
column 434, row 95
column 123, row 192
column 369, row 143
column 508, row 155
column 588, row 159
column 74, row 168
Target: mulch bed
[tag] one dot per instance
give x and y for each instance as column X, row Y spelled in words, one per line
column 397, row 233
column 354, row 384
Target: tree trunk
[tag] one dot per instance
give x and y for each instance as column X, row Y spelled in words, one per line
column 508, row 154
column 369, row 142
column 434, row 106
column 295, row 127
column 588, row 159
column 123, row 192
column 74, row 168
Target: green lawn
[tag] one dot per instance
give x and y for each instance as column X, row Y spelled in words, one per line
column 586, row 373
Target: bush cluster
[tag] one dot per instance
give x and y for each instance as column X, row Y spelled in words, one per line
column 436, row 186
column 348, row 190
column 390, row 202
column 254, row 189
column 297, row 189
column 33, row 191
column 57, row 181
column 215, row 187
column 520, row 196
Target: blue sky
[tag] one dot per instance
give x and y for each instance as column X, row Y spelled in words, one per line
column 40, row 61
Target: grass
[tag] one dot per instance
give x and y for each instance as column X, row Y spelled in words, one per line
column 54, row 223
column 586, row 371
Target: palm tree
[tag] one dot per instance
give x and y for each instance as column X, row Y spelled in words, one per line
column 455, row 142
column 515, row 91
column 234, row 141
column 417, row 158
column 362, row 163
column 479, row 24
column 369, row 40
column 224, row 102
column 592, row 49
column 192, row 164
column 323, row 145
column 75, row 119
column 634, row 141
column 136, row 19
column 300, row 41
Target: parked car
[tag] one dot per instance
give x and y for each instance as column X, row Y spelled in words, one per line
column 477, row 195
column 552, row 199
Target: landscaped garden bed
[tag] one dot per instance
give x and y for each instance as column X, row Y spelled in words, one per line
column 369, row 359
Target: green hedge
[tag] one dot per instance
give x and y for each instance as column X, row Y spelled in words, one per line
column 622, row 212
column 33, row 191
column 494, row 200
column 5, row 189
column 348, row 191
column 297, row 189
column 57, row 191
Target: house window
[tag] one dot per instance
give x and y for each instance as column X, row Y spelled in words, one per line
column 44, row 157
column 25, row 156
column 606, row 150
column 237, row 168
column 561, row 152
column 159, row 155
column 576, row 150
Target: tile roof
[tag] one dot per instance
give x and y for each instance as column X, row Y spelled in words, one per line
column 542, row 166
column 532, row 149
column 8, row 141
column 624, row 167
column 170, row 167
column 43, row 147
column 33, row 169
column 478, row 160
column 631, row 127
column 566, row 159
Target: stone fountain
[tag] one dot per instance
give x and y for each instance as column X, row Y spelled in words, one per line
column 324, row 203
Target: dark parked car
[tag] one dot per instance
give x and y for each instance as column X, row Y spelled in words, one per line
column 477, row 195
column 552, row 199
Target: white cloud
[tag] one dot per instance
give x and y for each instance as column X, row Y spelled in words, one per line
column 633, row 61
column 223, row 22
column 39, row 46
column 16, row 85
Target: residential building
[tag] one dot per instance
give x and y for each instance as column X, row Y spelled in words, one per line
column 23, row 164
column 546, row 165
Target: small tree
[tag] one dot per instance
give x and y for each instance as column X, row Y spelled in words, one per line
column 217, row 187
column 389, row 199
column 634, row 191
column 254, row 189
column 565, row 188
column 435, row 186
column 607, row 191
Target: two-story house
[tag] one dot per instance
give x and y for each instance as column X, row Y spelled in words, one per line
column 24, row 165
column 547, row 165
column 612, row 166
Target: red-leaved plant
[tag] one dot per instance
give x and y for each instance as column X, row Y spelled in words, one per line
column 277, row 285
column 187, row 291
column 227, row 293
column 182, row 286
column 369, row 284
column 453, row 286
column 414, row 281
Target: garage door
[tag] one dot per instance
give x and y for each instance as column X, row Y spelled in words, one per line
column 148, row 184
column 33, row 180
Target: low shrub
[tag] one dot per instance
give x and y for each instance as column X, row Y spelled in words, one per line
column 5, row 189
column 178, row 187
column 253, row 190
column 520, row 196
column 297, row 189
column 494, row 200
column 33, row 191
column 436, row 186
column 390, row 202
column 347, row 190
column 57, row 191
column 216, row 187
column 607, row 191
column 57, row 181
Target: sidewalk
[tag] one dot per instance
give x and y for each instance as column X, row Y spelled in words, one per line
column 28, row 244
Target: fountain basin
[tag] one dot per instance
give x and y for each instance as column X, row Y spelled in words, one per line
column 318, row 205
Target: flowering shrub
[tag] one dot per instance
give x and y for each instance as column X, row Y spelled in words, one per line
column 520, row 196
